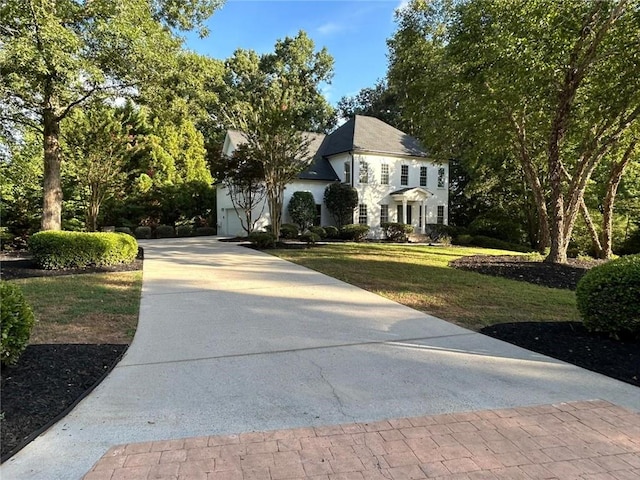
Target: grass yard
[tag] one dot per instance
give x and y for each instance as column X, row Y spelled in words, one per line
column 96, row 308
column 419, row 277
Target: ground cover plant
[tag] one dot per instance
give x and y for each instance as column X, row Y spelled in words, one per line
column 84, row 323
column 526, row 313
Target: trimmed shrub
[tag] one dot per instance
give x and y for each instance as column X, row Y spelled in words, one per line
column 142, row 233
column 289, row 230
column 321, row 232
column 165, row 231
column 463, row 240
column 206, row 231
column 310, row 237
column 126, row 230
column 302, row 209
column 58, row 250
column 184, row 231
column 355, row 232
column 608, row 298
column 17, row 322
column 332, row 232
column 262, row 239
column 397, row 232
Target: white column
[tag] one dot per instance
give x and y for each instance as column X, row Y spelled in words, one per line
column 404, row 211
column 424, row 217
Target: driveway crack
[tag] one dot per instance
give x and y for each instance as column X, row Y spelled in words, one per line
column 334, row 392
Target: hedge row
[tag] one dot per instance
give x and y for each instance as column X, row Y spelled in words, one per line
column 59, row 250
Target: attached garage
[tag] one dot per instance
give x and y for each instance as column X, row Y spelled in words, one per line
column 231, row 223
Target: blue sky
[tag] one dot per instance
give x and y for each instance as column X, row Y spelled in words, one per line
column 354, row 32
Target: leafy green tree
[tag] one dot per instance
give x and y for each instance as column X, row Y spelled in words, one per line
column 341, row 199
column 377, row 101
column 56, row 55
column 243, row 176
column 274, row 99
column 553, row 85
column 302, row 209
column 95, row 144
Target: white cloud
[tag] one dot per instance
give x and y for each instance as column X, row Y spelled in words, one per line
column 330, row 28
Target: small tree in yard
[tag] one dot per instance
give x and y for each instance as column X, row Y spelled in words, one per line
column 341, row 199
column 302, row 208
column 243, row 176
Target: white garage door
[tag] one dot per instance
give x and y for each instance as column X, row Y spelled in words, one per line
column 233, row 225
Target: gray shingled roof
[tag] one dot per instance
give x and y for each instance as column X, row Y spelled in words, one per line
column 320, row 168
column 360, row 134
column 368, row 134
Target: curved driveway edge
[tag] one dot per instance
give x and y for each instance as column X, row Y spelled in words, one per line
column 232, row 340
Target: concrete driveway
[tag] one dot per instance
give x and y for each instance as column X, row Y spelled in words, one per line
column 232, row 340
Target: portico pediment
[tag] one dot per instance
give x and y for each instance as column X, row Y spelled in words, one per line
column 414, row 194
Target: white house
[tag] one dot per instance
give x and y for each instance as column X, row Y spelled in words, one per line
column 395, row 179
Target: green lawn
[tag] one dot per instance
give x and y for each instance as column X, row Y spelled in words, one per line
column 419, row 276
column 86, row 308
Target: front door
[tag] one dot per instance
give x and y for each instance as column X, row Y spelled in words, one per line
column 400, row 216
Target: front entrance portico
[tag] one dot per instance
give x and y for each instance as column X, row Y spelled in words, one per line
column 413, row 195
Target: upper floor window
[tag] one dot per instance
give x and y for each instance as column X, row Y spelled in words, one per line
column 423, row 176
column 362, row 214
column 441, row 177
column 440, row 217
column 364, row 172
column 347, row 172
column 404, row 175
column 384, row 214
column 384, row 174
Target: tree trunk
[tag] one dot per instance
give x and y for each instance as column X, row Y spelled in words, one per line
column 52, row 185
column 595, row 237
column 612, row 189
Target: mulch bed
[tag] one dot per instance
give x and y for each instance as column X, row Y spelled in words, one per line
column 46, row 383
column 49, row 380
column 528, row 270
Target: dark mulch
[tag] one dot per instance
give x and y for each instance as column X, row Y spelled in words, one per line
column 572, row 343
column 567, row 341
column 527, row 269
column 47, row 381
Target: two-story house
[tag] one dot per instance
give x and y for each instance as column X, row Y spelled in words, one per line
column 395, row 179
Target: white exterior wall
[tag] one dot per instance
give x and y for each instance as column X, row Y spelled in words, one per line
column 225, row 207
column 373, row 194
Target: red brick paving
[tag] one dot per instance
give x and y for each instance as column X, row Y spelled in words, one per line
column 593, row 440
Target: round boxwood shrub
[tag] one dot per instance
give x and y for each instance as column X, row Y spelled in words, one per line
column 165, row 231
column 321, row 232
column 142, row 232
column 355, row 232
column 332, row 232
column 58, row 250
column 289, row 230
column 310, row 237
column 17, row 322
column 608, row 298
column 184, row 231
column 397, row 232
column 262, row 239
